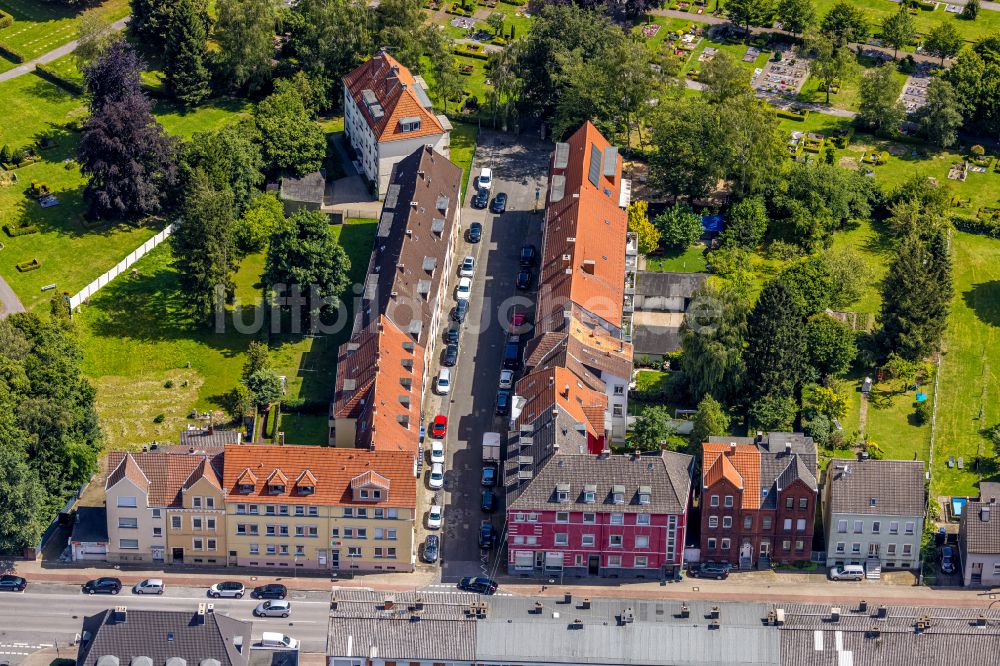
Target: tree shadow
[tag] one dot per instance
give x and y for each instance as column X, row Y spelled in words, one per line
column 984, row 300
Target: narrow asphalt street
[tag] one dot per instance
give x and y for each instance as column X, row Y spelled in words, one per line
column 519, row 168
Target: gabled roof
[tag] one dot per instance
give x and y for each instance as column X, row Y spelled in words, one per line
column 163, row 475
column 246, row 478
column 723, row 468
column 203, row 471
column 370, row 478
column 745, row 463
column 386, row 93
column 306, row 478
column 796, row 470
column 876, row 487
column 583, row 255
column 277, row 478
column 767, row 464
column 551, row 387
column 335, row 470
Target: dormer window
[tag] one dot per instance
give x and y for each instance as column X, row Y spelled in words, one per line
column 409, row 124
column 562, row 492
column 590, row 494
column 645, row 494
column 305, row 484
column 246, row 482
column 618, row 494
column 246, row 488
column 275, row 488
column 370, row 487
column 276, row 483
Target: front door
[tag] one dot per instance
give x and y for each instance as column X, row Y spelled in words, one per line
column 746, row 551
column 594, row 565
column 178, row 555
column 334, row 559
column 157, row 553
column 765, row 548
column 539, row 559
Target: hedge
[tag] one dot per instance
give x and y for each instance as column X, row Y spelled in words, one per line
column 11, row 53
column 58, row 79
column 303, row 406
column 478, row 55
column 988, row 228
column 6, row 20
column 788, row 115
column 26, row 266
column 14, row 231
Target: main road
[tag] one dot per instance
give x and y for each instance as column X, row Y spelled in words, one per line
column 45, row 615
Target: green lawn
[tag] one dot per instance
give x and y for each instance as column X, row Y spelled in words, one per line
column 666, row 24
column 848, row 97
column 987, row 23
column 737, row 50
column 463, row 144
column 33, row 107
column 690, row 260
column 41, row 26
column 308, row 429
column 211, row 115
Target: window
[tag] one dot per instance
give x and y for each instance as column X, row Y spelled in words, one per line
column 272, row 549
column 859, row 526
column 354, row 551
column 614, row 560
column 803, row 503
column 270, row 510
column 789, row 502
column 362, row 512
column 562, row 539
column 348, row 512
column 713, row 522
column 128, row 544
column 348, row 532
column 841, row 527
column 893, row 527
column 241, row 509
column 283, row 549
column 210, row 523
column 531, row 541
column 840, row 546
column 876, row 527
column 519, row 518
column 587, row 541
column 156, row 513
column 910, row 525
column 589, row 496
column 198, row 544
column 300, row 510
column 799, row 544
column 892, row 549
column 618, row 519
column 300, row 551
column 300, row 530
column 856, row 548
column 128, row 523
column 175, row 522
column 642, row 541
column 996, row 568
column 532, row 517
column 641, row 562
column 283, row 509
column 619, row 389
column 786, row 545
column 272, row 530
column 254, row 510
column 255, row 549
column 800, row 525
column 617, row 410
column 907, row 549
column 590, row 518
column 562, row 517
column 379, row 513
column 409, row 124
column 642, row 519
column 196, row 522
column 788, row 524
column 361, row 533
column 390, row 552
column 209, row 502
column 335, row 532
column 519, row 541
column 725, row 544
column 747, row 522
column 196, row 502
column 711, row 544
column 157, row 531
column 313, row 511
column 211, row 544
column 729, row 500
column 126, row 502
column 615, row 541
column 713, row 500
column 727, row 522
column 766, row 522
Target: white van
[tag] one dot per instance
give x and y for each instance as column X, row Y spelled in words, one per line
column 486, row 178
column 149, row 586
column 275, row 639
column 848, row 572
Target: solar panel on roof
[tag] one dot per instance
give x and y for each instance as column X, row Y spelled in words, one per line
column 369, row 97
column 610, row 161
column 594, row 174
column 391, row 196
column 562, row 156
column 558, row 188
column 385, row 225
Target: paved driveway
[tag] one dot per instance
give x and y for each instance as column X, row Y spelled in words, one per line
column 519, row 168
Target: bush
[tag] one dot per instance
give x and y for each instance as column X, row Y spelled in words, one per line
column 15, row 231
column 169, row 384
column 11, row 53
column 60, row 80
column 159, row 418
column 989, row 227
column 26, row 266
column 923, row 412
column 6, row 20
column 302, row 406
column 465, row 53
column 791, row 114
column 907, row 65
column 977, row 150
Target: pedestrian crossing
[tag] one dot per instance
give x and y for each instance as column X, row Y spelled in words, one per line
column 444, row 588
column 21, row 649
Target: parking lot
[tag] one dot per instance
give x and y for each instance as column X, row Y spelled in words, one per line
column 520, row 167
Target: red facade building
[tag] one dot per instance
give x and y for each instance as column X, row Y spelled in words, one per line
column 758, row 499
column 604, row 515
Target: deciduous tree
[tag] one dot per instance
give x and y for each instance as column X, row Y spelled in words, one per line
column 245, row 33
column 810, row 284
column 975, row 75
column 941, row 118
column 943, row 41
column 265, row 386
column 230, row 157
column 830, row 62
column 898, row 29
column 21, row 502
column 257, row 358
column 724, row 78
column 846, row 23
column 747, row 13
column 710, row 419
column 831, row 345
column 880, row 108
column 263, row 216
column 679, row 226
column 291, row 139
column 746, row 223
column 796, row 16
column 712, row 339
column 652, row 429
column 639, row 222
column 93, row 35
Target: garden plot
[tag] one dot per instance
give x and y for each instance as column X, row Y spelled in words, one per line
column 782, row 77
column 914, row 94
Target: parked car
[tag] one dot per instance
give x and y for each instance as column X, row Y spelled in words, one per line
column 489, row 475
column 529, row 255
column 708, row 570
column 270, row 591
column 436, row 479
column 10, row 583
column 512, row 356
column 475, row 232
column 506, row 378
column 450, row 355
column 464, row 289
column 452, row 335
column 439, row 428
column 442, row 385
column 103, row 585
column 481, row 198
column 278, row 640
column 229, row 588
column 460, row 311
column 488, row 502
column 486, row 179
column 437, row 452
column 478, row 584
column 487, row 536
column 848, row 572
column 947, row 560
column 149, row 586
column 499, row 204
column 435, row 516
column 468, row 268
column 273, row 609
column 503, row 402
column 524, row 280
column 432, row 546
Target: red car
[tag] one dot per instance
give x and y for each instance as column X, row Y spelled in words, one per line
column 440, row 426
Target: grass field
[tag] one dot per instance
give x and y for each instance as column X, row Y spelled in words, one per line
column 848, row 97
column 987, row 23
column 42, row 26
column 690, row 260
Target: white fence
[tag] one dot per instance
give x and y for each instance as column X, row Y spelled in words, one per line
column 120, row 267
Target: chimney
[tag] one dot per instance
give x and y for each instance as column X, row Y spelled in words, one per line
column 565, row 391
column 121, row 614
column 788, row 448
column 984, row 513
column 211, row 429
column 199, row 618
column 835, row 615
column 863, row 606
column 685, row 611
column 732, row 448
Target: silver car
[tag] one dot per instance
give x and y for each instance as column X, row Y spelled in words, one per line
column 273, row 608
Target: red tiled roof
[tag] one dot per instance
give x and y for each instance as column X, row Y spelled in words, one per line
column 369, row 478
column 204, row 471
column 583, row 257
column 556, row 386
column 334, row 470
column 166, row 473
column 393, row 89
column 744, row 463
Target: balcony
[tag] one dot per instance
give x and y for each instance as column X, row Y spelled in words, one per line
column 628, row 307
column 631, row 244
column 629, row 283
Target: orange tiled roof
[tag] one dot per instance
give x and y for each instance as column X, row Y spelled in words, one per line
column 744, row 461
column 204, row 471
column 333, row 468
column 393, row 89
column 583, row 256
column 723, row 468
column 306, row 476
column 369, row 478
column 557, row 386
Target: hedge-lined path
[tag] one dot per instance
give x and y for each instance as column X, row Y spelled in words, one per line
column 54, row 54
